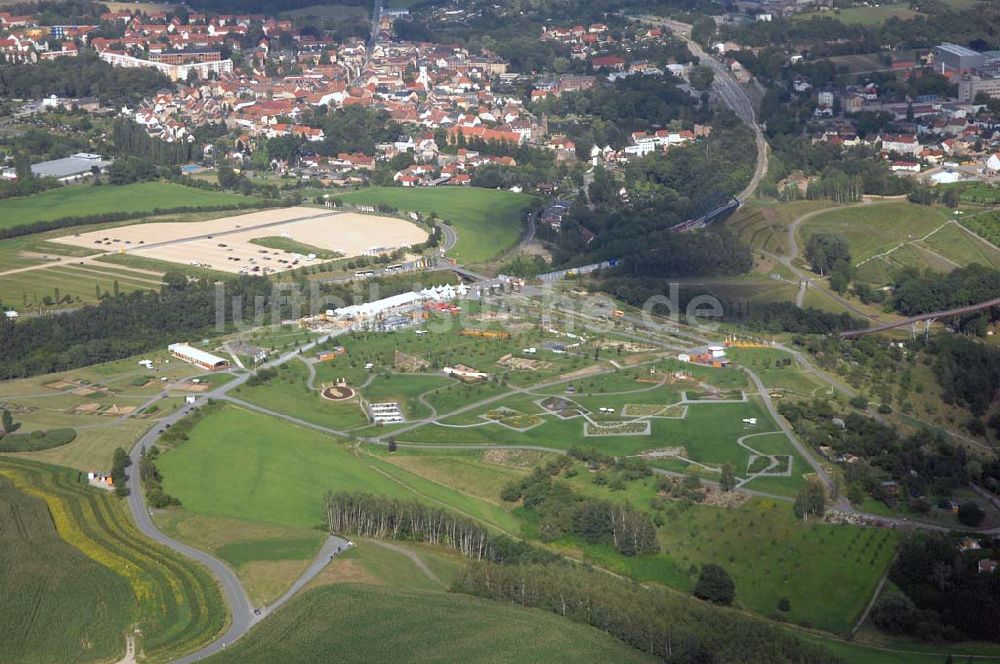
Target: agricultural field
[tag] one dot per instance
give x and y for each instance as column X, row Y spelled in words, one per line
column 82, row 200
column 366, row 623
column 71, row 284
column 890, row 236
column 179, row 607
column 487, row 221
column 243, row 465
column 56, row 598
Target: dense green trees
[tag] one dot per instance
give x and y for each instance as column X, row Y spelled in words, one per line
column 825, row 250
column 82, row 76
column 119, row 461
column 126, row 170
column 132, row 139
column 355, row 129
column 131, row 323
column 948, row 597
column 968, row 372
column 919, row 292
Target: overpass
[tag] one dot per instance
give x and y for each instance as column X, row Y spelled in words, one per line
column 928, row 318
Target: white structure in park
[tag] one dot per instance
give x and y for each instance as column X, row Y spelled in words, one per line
column 398, row 302
column 385, row 413
column 198, row 357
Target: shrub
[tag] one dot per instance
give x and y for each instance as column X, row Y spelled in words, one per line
column 971, row 514
column 715, row 585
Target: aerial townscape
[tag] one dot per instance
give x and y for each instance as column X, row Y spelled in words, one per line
column 518, row 331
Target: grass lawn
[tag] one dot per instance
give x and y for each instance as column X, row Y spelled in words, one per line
column 765, row 363
column 763, row 224
column 243, row 465
column 81, row 200
column 290, row 246
column 55, row 595
column 487, row 221
column 405, row 389
column 363, row 623
column 876, row 229
column 289, row 394
column 267, row 558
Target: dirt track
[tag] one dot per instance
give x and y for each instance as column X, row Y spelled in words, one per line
column 220, row 242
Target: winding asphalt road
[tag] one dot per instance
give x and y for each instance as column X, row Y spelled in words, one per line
column 243, row 614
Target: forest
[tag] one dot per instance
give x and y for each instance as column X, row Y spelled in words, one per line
column 661, row 623
column 943, row 595
column 83, row 76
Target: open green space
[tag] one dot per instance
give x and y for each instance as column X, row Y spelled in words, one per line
column 288, row 245
column 267, row 558
column 363, row 623
column 289, row 393
column 55, row 597
column 876, row 228
column 83, row 200
column 243, row 465
column 179, row 605
column 487, row 221
column 406, row 390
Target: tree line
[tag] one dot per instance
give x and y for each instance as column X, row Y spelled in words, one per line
column 664, row 624
column 369, row 515
column 130, row 138
column 130, row 323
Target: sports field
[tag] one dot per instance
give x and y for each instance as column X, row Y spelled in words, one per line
column 226, row 244
column 366, row 623
column 83, row 200
column 487, row 221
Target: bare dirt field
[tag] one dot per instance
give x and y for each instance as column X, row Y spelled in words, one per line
column 224, row 244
